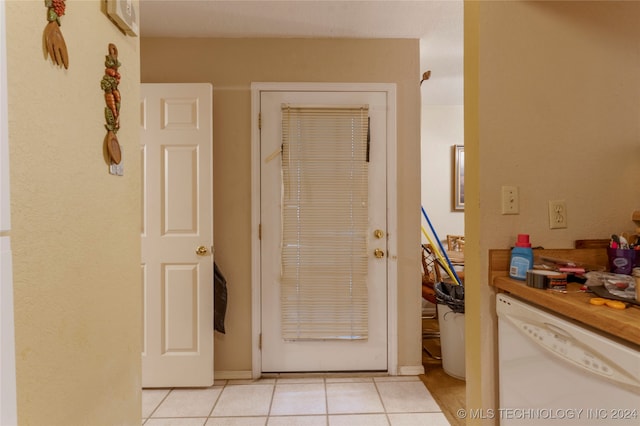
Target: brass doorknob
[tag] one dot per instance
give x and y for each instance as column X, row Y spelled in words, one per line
column 378, row 233
column 202, row 251
column 378, row 253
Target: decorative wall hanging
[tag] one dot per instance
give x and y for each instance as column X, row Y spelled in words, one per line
column 54, row 44
column 123, row 13
column 112, row 98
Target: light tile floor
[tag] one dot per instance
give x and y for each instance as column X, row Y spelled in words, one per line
column 306, row 401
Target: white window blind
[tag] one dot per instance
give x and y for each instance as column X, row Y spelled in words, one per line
column 325, row 222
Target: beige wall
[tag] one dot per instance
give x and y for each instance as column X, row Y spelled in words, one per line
column 75, row 228
column 552, row 106
column 231, row 65
column 442, row 128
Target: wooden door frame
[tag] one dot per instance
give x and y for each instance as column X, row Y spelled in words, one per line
column 392, row 266
column 8, row 390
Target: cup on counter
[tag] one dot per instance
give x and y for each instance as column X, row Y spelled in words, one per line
column 621, row 261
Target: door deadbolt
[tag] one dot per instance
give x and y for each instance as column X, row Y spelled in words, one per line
column 378, row 253
column 378, row 233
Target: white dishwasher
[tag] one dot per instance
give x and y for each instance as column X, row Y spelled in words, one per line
column 552, row 371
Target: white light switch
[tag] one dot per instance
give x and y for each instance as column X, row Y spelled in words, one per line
column 510, row 201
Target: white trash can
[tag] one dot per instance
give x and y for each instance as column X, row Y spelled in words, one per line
column 452, row 341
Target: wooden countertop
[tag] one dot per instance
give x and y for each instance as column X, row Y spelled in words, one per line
column 623, row 324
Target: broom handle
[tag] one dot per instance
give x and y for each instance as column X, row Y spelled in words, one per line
column 437, row 252
column 455, row 276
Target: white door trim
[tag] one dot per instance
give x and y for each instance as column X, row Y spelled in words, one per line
column 392, row 266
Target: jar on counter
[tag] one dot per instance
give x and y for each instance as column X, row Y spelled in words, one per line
column 636, row 277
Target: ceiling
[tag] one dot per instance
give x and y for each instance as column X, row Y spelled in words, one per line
column 437, row 23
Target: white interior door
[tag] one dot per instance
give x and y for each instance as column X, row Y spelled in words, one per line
column 336, row 354
column 177, row 235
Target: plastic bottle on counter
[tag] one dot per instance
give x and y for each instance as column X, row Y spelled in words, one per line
column 521, row 258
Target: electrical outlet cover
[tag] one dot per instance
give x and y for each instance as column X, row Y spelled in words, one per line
column 557, row 214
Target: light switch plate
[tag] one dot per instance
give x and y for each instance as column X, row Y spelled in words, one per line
column 510, row 200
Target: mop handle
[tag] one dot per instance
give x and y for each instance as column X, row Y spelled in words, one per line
column 455, row 276
column 437, row 252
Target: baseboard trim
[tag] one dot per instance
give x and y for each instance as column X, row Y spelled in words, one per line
column 232, row 375
column 410, row 370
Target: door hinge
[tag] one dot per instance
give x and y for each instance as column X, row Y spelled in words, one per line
column 260, row 231
column 260, row 341
column 260, row 120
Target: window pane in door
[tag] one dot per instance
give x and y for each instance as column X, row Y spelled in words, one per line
column 325, row 222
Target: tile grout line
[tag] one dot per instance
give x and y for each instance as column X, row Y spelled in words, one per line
column 326, row 402
column 159, row 404
column 224, row 386
column 273, row 395
column 384, row 407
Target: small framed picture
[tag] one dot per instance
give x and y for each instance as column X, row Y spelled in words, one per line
column 458, row 178
column 124, row 14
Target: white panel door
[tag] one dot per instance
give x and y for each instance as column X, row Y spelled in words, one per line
column 177, row 235
column 278, row 354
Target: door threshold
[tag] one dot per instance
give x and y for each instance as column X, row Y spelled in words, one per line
column 325, row 374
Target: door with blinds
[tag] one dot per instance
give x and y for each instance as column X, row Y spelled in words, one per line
column 323, row 231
